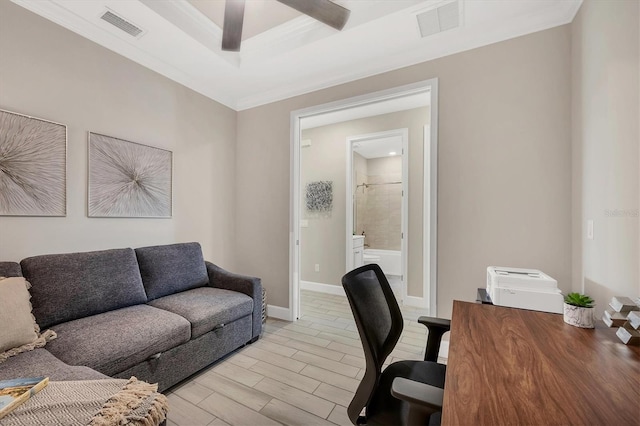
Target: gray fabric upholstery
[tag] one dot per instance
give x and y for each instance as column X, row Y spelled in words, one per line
column 96, row 302
column 10, row 269
column 114, row 341
column 40, row 362
column 66, row 287
column 251, row 286
column 181, row 362
column 171, row 268
column 206, row 307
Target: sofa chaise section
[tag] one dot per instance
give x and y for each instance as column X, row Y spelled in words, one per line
column 42, row 363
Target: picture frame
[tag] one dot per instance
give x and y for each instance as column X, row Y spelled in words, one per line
column 33, row 166
column 128, row 179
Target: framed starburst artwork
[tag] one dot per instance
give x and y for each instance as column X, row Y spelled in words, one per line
column 128, row 179
column 33, row 166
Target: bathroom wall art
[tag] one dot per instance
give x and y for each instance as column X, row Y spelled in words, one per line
column 319, row 197
column 33, row 166
column 128, row 179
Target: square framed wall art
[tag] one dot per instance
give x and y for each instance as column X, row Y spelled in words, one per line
column 33, row 166
column 319, row 197
column 128, row 179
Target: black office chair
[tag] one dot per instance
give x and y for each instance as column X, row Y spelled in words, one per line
column 406, row 392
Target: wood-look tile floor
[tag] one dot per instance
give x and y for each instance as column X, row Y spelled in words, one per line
column 302, row 373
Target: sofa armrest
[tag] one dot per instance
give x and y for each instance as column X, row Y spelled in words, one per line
column 251, row 286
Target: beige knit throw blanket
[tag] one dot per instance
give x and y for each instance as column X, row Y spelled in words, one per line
column 94, row 403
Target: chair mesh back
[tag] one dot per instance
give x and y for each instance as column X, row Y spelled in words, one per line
column 375, row 310
column 379, row 323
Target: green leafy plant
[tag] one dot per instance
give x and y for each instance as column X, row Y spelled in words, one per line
column 577, row 299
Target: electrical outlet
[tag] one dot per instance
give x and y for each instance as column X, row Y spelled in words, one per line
column 317, row 267
column 590, row 229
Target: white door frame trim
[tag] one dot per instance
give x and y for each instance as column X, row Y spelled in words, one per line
column 430, row 85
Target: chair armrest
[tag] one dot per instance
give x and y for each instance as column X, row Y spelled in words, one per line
column 419, row 394
column 251, row 286
column 437, row 327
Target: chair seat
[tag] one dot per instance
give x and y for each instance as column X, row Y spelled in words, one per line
column 384, row 409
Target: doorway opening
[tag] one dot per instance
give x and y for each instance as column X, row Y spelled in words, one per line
column 378, row 204
column 323, row 189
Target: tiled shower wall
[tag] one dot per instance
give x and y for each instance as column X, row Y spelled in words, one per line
column 379, row 207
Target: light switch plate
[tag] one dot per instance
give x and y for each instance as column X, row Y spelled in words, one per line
column 304, row 223
column 590, row 229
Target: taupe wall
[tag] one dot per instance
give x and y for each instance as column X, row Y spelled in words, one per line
column 49, row 72
column 504, row 166
column 606, row 169
column 323, row 242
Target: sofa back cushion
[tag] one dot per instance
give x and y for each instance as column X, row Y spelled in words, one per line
column 171, row 268
column 10, row 269
column 66, row 287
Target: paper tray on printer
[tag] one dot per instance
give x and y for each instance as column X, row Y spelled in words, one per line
column 508, row 277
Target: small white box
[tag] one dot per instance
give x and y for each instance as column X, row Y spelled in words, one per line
column 524, row 288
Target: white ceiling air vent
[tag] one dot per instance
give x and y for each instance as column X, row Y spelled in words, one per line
column 121, row 23
column 440, row 19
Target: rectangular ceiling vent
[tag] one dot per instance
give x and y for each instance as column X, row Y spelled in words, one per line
column 121, row 23
column 440, row 19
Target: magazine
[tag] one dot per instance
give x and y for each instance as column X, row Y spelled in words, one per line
column 16, row 391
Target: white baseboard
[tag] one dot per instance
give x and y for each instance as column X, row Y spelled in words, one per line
column 322, row 288
column 279, row 312
column 418, row 302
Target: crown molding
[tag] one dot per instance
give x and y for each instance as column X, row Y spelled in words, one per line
column 226, row 77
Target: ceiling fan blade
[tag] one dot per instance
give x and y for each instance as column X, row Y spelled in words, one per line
column 324, row 11
column 232, row 28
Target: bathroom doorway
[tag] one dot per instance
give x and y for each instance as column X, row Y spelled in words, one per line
column 319, row 194
column 377, row 204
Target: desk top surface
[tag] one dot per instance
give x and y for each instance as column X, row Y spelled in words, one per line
column 513, row 366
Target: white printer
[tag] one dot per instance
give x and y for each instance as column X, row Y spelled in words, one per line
column 524, row 288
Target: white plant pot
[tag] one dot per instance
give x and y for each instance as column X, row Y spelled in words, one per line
column 578, row 316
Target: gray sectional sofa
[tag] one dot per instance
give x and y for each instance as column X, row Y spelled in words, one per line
column 158, row 313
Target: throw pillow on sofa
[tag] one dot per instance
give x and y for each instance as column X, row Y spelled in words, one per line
column 19, row 331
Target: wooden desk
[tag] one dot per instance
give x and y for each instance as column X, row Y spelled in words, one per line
column 512, row 366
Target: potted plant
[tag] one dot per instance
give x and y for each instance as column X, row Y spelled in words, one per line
column 578, row 310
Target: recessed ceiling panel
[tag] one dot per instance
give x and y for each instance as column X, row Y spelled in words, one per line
column 259, row 15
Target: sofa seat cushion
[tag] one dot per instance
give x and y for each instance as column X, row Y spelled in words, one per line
column 41, row 363
column 206, row 307
column 114, row 341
